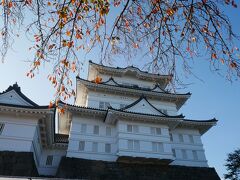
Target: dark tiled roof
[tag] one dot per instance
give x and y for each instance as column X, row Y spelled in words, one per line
column 131, row 87
column 136, row 68
column 17, row 89
column 61, row 138
column 111, row 79
column 143, row 97
column 210, row 120
column 122, row 110
column 23, row 106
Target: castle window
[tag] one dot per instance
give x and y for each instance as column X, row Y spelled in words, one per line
column 164, row 111
column 104, row 105
column 108, row 148
column 171, row 137
column 195, row 156
column 129, row 128
column 133, row 145
column 157, row 147
column 49, row 160
column 108, row 131
column 96, row 130
column 83, row 128
column 95, row 147
column 81, row 146
column 132, row 128
column 174, row 152
column 191, row 139
column 1, row 128
column 122, row 106
column 184, row 154
column 156, row 131
column 180, row 138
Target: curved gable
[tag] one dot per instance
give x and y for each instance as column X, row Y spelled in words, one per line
column 14, row 96
column 142, row 105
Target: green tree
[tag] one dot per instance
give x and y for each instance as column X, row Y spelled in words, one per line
column 233, row 165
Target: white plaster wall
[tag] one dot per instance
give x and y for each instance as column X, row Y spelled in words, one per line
column 57, row 154
column 189, row 147
column 76, row 135
column 21, row 134
column 119, row 142
column 145, row 139
column 12, row 97
column 18, row 133
column 94, row 98
column 129, row 77
column 40, row 156
column 131, row 80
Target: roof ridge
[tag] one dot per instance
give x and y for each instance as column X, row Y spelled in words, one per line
column 145, row 98
column 127, row 67
column 131, row 87
column 17, row 89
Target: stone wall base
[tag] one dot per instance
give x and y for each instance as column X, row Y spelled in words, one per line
column 101, row 170
column 17, row 164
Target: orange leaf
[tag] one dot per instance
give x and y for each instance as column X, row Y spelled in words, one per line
column 214, row 56
column 98, row 79
column 233, row 64
column 68, row 33
column 50, row 105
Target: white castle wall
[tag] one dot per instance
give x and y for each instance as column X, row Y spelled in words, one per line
column 21, row 134
column 93, row 99
column 18, row 133
column 12, row 97
column 120, row 137
column 189, row 146
column 89, row 138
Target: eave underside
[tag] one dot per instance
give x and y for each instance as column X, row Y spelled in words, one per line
column 178, row 99
column 161, row 79
column 111, row 116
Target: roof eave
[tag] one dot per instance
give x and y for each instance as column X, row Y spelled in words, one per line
column 121, row 71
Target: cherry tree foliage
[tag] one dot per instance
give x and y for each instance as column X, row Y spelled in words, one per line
column 167, row 31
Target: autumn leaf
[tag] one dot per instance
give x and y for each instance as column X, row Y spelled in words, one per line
column 68, row 33
column 50, row 104
column 214, row 56
column 98, row 80
column 233, row 64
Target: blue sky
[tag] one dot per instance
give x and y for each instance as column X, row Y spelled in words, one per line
column 212, row 97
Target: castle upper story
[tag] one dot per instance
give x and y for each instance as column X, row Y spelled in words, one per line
column 119, row 87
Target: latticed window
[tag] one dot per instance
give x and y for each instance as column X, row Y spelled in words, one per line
column 191, row 139
column 95, row 147
column 122, row 106
column 104, row 105
column 156, row 131
column 1, row 128
column 108, row 148
column 83, row 128
column 180, row 138
column 184, row 154
column 108, row 131
column 171, row 137
column 81, row 146
column 132, row 128
column 134, row 145
column 195, row 156
column 96, row 130
column 49, row 160
column 157, row 147
column 174, row 152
